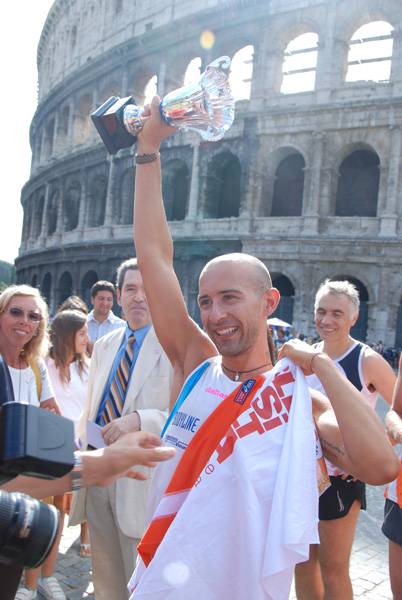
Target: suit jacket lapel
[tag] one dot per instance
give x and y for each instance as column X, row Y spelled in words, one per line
column 149, row 355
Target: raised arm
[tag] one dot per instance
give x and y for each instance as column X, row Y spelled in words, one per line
column 183, row 341
column 393, row 420
column 378, row 374
column 351, row 433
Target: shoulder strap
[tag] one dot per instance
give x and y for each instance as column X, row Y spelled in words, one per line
column 35, row 368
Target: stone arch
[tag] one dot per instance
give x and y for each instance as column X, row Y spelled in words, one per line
column 111, row 89
column 34, row 280
column 241, row 72
column 71, row 205
column 286, row 289
column 175, row 189
column 274, row 161
column 27, row 218
column 299, row 64
column 64, row 288
column 139, row 83
column 223, row 189
column 358, row 185
column 284, row 39
column 287, row 197
column 52, row 212
column 82, row 122
column 87, row 282
column 97, row 201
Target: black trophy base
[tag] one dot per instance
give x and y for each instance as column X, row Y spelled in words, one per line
column 108, row 120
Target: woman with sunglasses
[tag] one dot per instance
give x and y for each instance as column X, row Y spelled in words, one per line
column 68, row 365
column 24, row 343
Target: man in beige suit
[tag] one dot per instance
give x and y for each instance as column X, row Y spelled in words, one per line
column 116, row 515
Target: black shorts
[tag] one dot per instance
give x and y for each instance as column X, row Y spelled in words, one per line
column 392, row 525
column 337, row 500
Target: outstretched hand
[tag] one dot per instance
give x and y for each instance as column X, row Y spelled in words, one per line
column 300, row 353
column 104, row 466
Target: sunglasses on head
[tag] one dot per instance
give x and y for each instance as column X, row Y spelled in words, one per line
column 18, row 313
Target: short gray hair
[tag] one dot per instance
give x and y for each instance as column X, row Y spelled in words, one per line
column 129, row 264
column 339, row 287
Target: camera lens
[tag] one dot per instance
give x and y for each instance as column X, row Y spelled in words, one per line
column 28, row 529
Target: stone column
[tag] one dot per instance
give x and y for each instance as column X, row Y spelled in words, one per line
column 109, row 196
column 389, row 218
column 195, row 181
column 83, row 202
column 325, row 57
column 311, row 203
column 43, row 231
column 55, row 142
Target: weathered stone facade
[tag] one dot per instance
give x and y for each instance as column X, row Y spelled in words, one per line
column 225, row 196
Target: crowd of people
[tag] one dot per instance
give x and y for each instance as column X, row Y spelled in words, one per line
column 271, row 442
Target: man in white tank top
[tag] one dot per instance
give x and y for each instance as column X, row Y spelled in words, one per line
column 235, row 299
column 326, row 574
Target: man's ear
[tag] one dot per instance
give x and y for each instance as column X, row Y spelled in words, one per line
column 92, row 301
column 118, row 297
column 272, row 298
column 353, row 321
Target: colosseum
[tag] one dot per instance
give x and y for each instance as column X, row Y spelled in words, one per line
column 308, row 178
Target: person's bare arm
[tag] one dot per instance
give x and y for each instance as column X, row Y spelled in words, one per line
column 52, row 405
column 378, row 374
column 183, row 341
column 100, row 467
column 351, row 433
column 393, row 419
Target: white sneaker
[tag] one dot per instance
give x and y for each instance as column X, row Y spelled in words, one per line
column 50, row 588
column 25, row 594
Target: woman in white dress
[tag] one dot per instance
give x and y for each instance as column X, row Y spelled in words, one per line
column 68, row 365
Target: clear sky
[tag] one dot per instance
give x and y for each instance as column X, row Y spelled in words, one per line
column 22, row 24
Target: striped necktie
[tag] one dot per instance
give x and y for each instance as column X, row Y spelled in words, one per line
column 118, row 388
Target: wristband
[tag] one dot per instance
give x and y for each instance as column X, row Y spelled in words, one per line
column 311, row 361
column 77, row 472
column 141, row 159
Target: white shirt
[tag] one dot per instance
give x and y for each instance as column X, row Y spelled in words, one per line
column 24, row 384
column 97, row 330
column 70, row 395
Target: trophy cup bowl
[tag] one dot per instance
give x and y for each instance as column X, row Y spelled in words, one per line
column 205, row 106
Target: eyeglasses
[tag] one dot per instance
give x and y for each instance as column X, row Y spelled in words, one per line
column 18, row 313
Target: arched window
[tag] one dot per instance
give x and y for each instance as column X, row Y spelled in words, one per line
column 359, row 329
column 63, row 128
column 87, row 282
column 97, row 201
column 65, row 288
column 150, row 89
column 358, row 185
column 52, row 211
column 193, row 71
column 175, row 187
column 123, row 209
column 82, row 121
column 71, row 206
column 370, row 53
column 299, row 64
column 288, row 187
column 284, row 310
column 241, row 71
column 34, row 281
column 223, row 187
column 48, row 147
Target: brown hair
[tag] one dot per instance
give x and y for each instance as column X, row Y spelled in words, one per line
column 63, row 329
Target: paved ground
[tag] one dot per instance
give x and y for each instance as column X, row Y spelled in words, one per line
column 369, row 564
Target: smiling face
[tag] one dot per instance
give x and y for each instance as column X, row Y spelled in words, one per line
column 81, row 340
column 102, row 303
column 133, row 300
column 333, row 317
column 18, row 331
column 233, row 307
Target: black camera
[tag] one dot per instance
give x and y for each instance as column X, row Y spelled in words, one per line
column 36, row 443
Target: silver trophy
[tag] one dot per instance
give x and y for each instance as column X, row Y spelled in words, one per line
column 205, row 106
